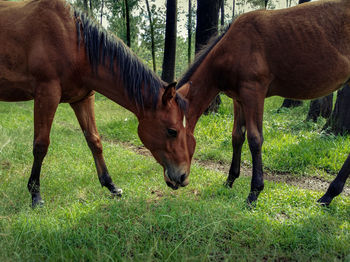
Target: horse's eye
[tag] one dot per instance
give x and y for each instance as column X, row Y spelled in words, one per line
column 172, row 132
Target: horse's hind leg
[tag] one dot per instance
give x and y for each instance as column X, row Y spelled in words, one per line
column 238, row 137
column 45, row 104
column 337, row 186
column 85, row 113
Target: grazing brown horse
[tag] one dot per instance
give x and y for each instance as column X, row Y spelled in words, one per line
column 53, row 54
column 301, row 52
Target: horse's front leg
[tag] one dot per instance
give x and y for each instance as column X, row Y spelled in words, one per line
column 85, row 113
column 253, row 107
column 238, row 137
column 46, row 101
column 337, row 185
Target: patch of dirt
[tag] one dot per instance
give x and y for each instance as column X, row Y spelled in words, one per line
column 158, row 193
column 310, row 183
column 6, row 165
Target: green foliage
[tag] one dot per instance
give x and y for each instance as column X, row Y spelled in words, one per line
column 117, row 21
column 158, row 20
column 95, row 5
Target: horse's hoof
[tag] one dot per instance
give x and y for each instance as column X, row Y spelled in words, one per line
column 118, row 192
column 37, row 202
column 251, row 200
column 228, row 184
column 324, row 201
column 250, row 204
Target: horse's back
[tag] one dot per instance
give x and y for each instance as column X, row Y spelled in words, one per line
column 306, row 49
column 35, row 39
column 14, row 81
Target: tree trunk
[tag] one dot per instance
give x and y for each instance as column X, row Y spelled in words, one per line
column 266, row 1
column 127, row 16
column 222, row 15
column 207, row 21
column 169, row 58
column 90, row 3
column 233, row 9
column 152, row 36
column 207, row 27
column 189, row 32
column 320, row 107
column 288, row 103
column 102, row 4
column 339, row 122
column 86, row 6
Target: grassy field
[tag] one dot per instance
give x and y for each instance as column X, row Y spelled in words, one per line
column 202, row 222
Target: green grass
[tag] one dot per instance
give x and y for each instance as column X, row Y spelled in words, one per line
column 291, row 144
column 202, row 222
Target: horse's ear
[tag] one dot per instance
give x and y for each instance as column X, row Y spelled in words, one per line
column 184, row 89
column 169, row 93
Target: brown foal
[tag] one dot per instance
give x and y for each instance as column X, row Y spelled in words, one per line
column 51, row 53
column 301, row 52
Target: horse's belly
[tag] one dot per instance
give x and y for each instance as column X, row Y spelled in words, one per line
column 302, row 92
column 15, row 91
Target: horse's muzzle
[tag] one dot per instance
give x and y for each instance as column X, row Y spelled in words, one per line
column 175, row 181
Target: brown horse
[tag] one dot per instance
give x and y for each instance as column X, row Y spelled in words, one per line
column 51, row 53
column 301, row 52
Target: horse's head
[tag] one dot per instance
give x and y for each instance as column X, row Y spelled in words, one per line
column 163, row 132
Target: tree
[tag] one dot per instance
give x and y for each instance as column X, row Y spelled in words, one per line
column 102, row 5
column 339, row 122
column 207, row 21
column 288, row 103
column 207, row 27
column 153, row 44
column 190, row 30
column 320, row 107
column 222, row 14
column 86, row 6
column 152, row 37
column 127, row 16
column 170, row 42
column 122, row 22
column 233, row 9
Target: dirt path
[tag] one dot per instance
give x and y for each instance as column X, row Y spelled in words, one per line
column 311, row 183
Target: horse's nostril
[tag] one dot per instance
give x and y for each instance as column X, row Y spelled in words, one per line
column 175, row 187
column 182, row 178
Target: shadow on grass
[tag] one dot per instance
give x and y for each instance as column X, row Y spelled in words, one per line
column 212, row 223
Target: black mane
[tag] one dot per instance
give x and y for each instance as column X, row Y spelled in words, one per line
column 201, row 55
column 106, row 49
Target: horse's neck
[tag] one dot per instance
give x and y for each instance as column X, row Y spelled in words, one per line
column 203, row 89
column 111, row 86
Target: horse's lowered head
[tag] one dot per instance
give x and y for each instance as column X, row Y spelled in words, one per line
column 163, row 131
